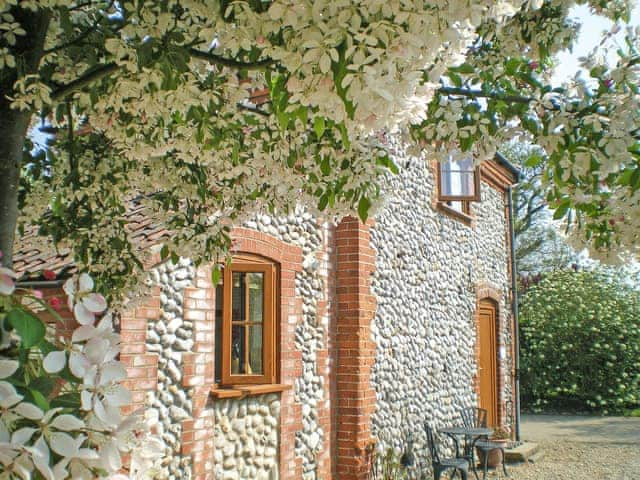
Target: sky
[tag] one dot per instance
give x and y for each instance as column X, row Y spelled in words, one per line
column 590, row 35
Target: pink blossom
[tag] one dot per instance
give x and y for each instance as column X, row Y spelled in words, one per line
column 49, row 274
column 55, row 303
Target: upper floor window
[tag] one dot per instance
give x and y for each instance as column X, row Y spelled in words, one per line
column 458, row 180
column 246, row 311
column 458, row 184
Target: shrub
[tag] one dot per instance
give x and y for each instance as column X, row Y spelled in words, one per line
column 580, row 343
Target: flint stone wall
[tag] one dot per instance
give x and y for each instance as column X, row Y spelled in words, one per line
column 246, row 438
column 427, row 269
column 169, row 337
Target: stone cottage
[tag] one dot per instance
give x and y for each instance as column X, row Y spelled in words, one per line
column 322, row 340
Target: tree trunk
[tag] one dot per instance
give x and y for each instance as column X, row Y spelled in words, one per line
column 14, row 124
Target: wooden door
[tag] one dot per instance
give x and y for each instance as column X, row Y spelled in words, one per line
column 488, row 361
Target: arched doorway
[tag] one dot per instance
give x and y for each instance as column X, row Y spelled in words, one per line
column 488, row 359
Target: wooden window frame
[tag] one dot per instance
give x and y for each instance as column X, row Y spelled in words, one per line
column 248, row 264
column 458, row 198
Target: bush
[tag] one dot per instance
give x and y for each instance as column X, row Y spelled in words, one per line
column 580, row 343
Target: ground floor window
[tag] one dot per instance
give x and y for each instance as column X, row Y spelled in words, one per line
column 246, row 320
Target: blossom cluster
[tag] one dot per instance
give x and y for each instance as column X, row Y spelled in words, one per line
column 169, row 90
column 61, row 398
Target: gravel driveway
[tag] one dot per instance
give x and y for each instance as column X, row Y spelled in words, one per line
column 581, row 448
column 582, row 461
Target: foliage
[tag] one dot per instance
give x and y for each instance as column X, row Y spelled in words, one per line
column 60, row 398
column 207, row 112
column 580, row 342
column 387, row 465
column 539, row 245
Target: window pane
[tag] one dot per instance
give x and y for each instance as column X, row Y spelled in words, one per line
column 457, row 178
column 256, row 296
column 238, row 297
column 255, row 349
column 238, row 343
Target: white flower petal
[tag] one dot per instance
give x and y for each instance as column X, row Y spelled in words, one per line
column 29, row 410
column 86, row 400
column 21, row 468
column 110, row 416
column 7, row 285
column 78, row 364
column 8, row 273
column 89, row 454
column 83, row 333
column 67, row 422
column 43, row 467
column 106, row 323
column 22, row 436
column 63, row 444
column 60, row 469
column 50, row 413
column 85, row 283
column 117, row 396
column 54, row 362
column 83, row 316
column 112, row 372
column 8, row 367
column 8, row 395
column 96, row 349
column 111, row 456
column 5, row 436
column 41, row 449
column 94, row 302
column 69, row 287
column 80, row 472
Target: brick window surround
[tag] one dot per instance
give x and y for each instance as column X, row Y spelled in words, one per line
column 199, row 307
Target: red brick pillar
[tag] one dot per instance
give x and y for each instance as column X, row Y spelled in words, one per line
column 142, row 367
column 198, row 374
column 355, row 351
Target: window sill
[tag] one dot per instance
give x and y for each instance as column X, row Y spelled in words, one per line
column 465, row 218
column 241, row 391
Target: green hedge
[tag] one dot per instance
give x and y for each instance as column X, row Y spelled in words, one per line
column 580, row 343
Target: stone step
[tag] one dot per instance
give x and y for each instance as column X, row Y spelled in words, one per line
column 536, row 457
column 522, row 453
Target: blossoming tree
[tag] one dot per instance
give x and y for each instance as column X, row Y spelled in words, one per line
column 60, row 397
column 157, row 102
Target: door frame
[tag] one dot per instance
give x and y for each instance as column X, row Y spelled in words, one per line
column 491, row 296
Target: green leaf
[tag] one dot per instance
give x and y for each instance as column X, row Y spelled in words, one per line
column 322, row 203
column 363, row 208
column 318, row 126
column 533, row 161
column 325, row 166
column 40, row 400
column 561, row 211
column 216, row 274
column 164, row 252
column 68, row 400
column 29, row 327
column 43, row 385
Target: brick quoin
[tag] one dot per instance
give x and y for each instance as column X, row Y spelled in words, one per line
column 355, row 351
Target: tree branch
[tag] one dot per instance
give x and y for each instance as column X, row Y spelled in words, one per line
column 82, row 35
column 227, row 62
column 255, row 110
column 86, row 79
column 463, row 92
